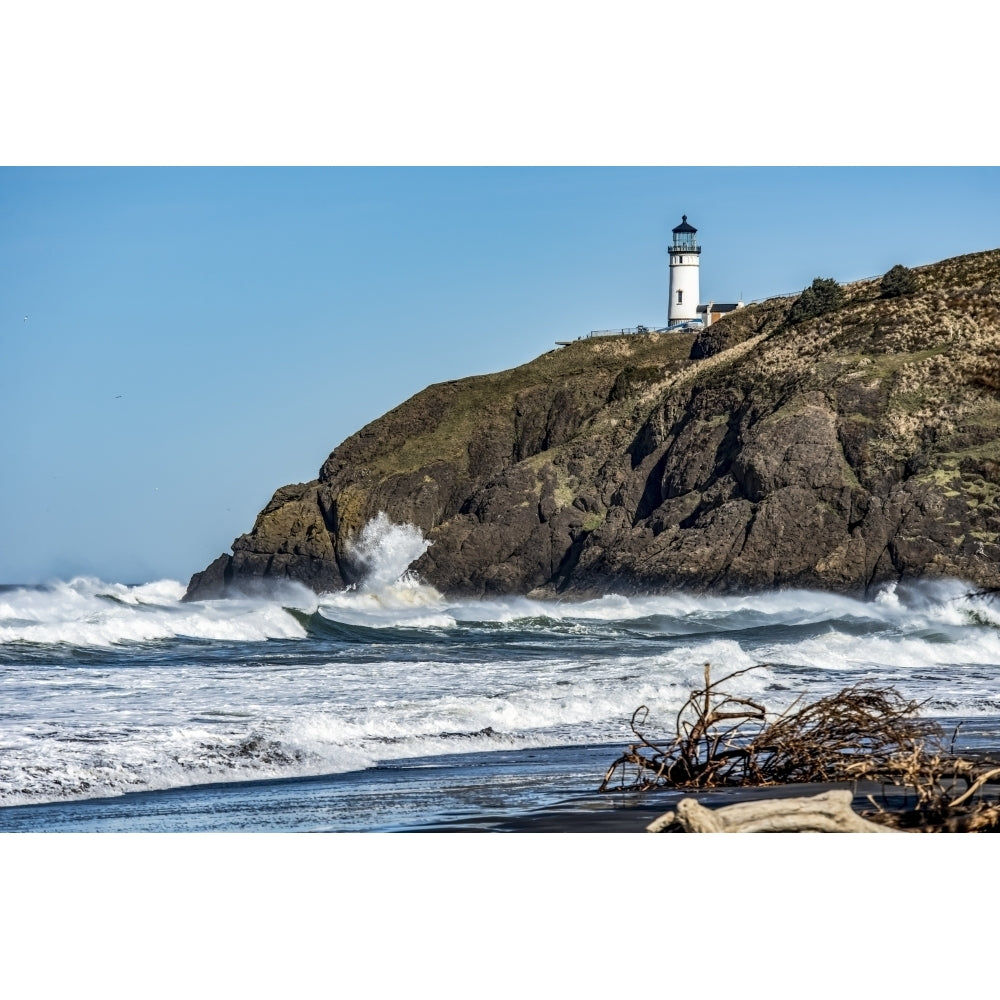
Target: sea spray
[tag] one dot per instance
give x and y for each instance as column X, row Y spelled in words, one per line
column 385, row 551
column 389, row 593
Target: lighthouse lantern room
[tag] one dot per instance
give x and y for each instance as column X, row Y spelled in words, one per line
column 685, row 255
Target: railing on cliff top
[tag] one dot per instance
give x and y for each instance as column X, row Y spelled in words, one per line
column 799, row 291
column 640, row 330
column 623, row 331
column 627, row 330
column 687, row 324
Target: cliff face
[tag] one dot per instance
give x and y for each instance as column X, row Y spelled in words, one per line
column 844, row 451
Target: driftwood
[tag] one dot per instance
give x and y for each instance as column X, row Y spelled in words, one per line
column 948, row 793
column 722, row 740
column 828, row 812
column 860, row 733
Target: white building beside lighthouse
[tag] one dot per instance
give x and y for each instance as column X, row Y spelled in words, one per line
column 685, row 257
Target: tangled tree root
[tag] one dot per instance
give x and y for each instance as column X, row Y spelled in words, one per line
column 860, row 733
column 948, row 793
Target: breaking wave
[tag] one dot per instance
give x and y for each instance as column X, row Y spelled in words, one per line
column 89, row 612
column 108, row 688
column 390, row 595
column 386, row 551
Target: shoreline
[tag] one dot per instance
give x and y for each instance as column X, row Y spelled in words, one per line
column 513, row 791
column 597, row 814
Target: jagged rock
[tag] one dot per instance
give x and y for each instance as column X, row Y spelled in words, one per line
column 856, row 448
column 213, row 580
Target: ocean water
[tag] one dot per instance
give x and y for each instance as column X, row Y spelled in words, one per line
column 390, row 707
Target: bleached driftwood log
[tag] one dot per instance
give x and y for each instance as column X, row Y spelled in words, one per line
column 828, row 812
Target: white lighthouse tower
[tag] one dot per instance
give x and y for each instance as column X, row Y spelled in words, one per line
column 684, row 260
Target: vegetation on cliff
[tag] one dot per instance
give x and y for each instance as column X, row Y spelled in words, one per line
column 840, row 451
column 898, row 280
column 824, row 295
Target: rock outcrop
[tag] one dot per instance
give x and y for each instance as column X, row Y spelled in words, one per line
column 845, row 451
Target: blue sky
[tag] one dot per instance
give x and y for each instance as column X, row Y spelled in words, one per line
column 196, row 338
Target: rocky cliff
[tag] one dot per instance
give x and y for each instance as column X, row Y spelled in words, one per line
column 840, row 452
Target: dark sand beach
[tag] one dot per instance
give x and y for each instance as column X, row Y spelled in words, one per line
column 518, row 791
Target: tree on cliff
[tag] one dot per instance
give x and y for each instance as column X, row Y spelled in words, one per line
column 898, row 281
column 822, row 296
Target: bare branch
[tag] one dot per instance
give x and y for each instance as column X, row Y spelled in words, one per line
column 873, row 733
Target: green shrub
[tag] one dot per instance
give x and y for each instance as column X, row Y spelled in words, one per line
column 898, row 281
column 822, row 296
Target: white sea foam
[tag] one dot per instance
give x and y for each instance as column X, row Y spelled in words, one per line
column 88, row 612
column 467, row 675
column 840, row 651
column 403, row 604
column 172, row 725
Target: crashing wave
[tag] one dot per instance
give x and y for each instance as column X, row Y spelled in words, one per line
column 389, row 594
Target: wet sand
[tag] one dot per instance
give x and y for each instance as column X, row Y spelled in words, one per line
column 633, row 812
column 550, row 790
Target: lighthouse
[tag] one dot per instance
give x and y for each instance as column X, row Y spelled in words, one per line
column 684, row 259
